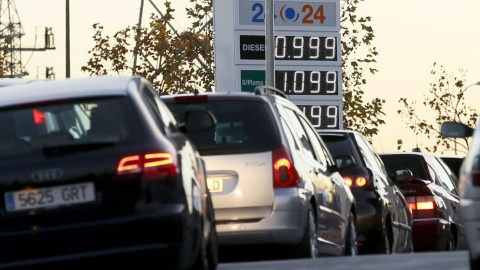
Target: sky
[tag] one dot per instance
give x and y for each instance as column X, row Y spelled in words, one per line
column 410, row 35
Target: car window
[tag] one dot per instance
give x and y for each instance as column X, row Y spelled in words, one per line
column 315, row 140
column 35, row 127
column 160, row 113
column 412, row 162
column 445, row 180
column 366, row 153
column 305, row 143
column 243, row 126
column 288, row 133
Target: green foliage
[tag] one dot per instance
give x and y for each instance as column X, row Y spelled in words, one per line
column 173, row 62
column 445, row 99
column 358, row 57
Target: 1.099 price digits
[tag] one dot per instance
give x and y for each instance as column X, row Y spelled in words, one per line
column 322, row 116
column 307, row 82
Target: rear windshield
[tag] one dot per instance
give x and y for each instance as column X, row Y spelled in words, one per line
column 414, row 163
column 42, row 128
column 242, row 127
column 338, row 145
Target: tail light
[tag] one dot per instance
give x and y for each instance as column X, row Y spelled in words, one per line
column 359, row 181
column 284, row 172
column 152, row 165
column 38, row 117
column 422, row 206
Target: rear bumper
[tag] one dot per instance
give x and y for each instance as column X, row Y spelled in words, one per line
column 430, row 234
column 161, row 227
column 285, row 225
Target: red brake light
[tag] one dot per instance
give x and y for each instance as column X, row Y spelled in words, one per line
column 360, row 181
column 348, row 180
column 153, row 165
column 284, row 172
column 38, row 117
column 422, row 206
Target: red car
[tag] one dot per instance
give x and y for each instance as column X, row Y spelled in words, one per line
column 428, row 185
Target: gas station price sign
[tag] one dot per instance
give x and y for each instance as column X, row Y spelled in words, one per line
column 324, row 47
column 292, row 15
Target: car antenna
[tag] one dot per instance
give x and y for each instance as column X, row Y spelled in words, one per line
column 196, row 92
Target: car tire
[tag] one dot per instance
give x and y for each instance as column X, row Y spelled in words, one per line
column 308, row 246
column 385, row 247
column 451, row 242
column 212, row 245
column 474, row 264
column 351, row 237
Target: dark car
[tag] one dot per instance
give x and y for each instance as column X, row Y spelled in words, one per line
column 384, row 221
column 272, row 179
column 98, row 168
column 429, row 187
column 454, row 163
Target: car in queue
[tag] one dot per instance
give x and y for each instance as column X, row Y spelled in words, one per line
column 384, row 222
column 469, row 187
column 454, row 163
column 271, row 177
column 98, row 168
column 429, row 186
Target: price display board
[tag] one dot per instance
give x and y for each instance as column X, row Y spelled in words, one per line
column 307, row 51
column 323, row 114
column 304, row 48
column 297, row 82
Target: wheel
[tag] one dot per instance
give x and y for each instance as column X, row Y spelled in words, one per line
column 451, row 242
column 351, row 238
column 386, row 243
column 212, row 245
column 474, row 264
column 308, row 246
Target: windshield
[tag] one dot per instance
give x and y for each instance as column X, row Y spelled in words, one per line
column 242, row 126
column 43, row 127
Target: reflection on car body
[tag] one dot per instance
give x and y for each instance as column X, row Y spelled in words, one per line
column 273, row 180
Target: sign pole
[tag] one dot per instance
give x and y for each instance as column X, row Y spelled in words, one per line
column 269, row 44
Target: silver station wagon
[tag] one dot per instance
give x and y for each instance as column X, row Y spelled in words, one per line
column 271, row 177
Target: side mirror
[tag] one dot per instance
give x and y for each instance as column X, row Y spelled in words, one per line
column 198, row 120
column 344, row 162
column 402, row 175
column 455, row 130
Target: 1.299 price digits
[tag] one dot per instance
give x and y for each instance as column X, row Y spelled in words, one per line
column 322, row 116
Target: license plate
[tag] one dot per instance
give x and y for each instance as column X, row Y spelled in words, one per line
column 215, row 185
column 51, row 197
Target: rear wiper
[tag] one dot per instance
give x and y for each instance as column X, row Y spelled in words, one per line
column 58, row 150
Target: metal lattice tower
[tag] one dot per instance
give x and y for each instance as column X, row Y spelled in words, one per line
column 11, row 32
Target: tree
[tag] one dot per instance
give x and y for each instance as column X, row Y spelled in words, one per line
column 173, row 62
column 445, row 99
column 358, row 56
column 175, row 73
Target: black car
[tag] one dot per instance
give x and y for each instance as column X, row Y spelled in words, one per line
column 98, row 168
column 384, row 222
column 454, row 163
column 431, row 192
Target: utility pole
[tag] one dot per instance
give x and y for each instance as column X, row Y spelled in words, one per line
column 67, row 39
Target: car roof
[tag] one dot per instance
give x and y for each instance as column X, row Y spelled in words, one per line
column 67, row 88
column 407, row 154
column 337, row 132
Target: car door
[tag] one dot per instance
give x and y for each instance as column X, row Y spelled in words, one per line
column 446, row 179
column 395, row 201
column 329, row 219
